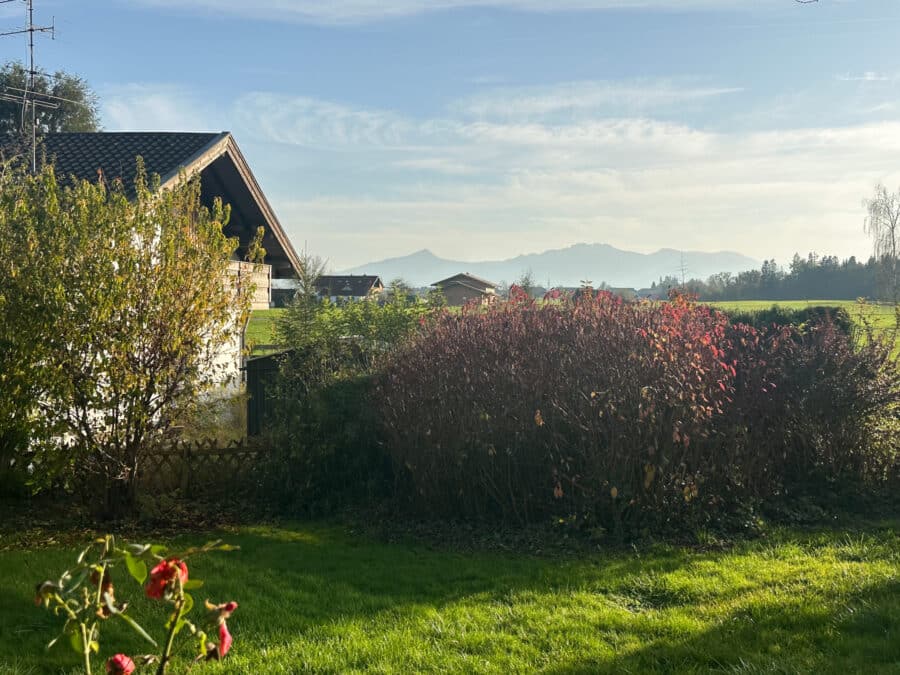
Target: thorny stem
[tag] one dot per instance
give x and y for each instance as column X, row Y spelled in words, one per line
column 86, row 648
column 170, row 638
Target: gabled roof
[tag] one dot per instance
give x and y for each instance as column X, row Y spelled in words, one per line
column 466, row 279
column 347, row 285
column 215, row 156
column 83, row 155
column 478, row 289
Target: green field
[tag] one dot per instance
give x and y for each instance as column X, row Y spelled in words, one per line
column 261, row 328
column 880, row 315
column 321, row 598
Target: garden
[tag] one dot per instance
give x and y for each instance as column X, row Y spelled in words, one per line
column 577, row 484
column 326, row 597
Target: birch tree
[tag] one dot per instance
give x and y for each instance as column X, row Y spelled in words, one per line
column 883, row 226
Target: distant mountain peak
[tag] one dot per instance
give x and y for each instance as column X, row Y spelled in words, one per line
column 602, row 263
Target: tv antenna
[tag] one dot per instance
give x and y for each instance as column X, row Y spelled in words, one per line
column 29, row 97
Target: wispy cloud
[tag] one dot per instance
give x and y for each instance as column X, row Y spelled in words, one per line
column 457, row 184
column 588, row 97
column 156, row 107
column 357, row 11
column 868, row 76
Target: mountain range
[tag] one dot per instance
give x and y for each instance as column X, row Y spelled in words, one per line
column 569, row 266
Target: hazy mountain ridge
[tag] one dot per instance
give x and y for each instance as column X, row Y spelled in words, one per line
column 564, row 267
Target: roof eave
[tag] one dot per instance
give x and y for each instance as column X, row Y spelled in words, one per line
column 224, row 144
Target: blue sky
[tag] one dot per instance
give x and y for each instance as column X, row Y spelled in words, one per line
column 489, row 128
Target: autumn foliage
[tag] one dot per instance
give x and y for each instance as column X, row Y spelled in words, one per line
column 627, row 414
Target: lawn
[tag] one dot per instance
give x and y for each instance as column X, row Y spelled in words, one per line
column 319, row 598
column 261, row 329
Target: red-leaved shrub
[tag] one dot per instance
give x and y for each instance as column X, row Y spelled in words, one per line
column 627, row 413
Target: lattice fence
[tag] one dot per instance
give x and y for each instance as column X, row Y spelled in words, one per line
column 200, row 467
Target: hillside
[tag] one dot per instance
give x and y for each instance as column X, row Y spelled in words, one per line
column 564, row 267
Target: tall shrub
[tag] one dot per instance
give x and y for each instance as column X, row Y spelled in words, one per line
column 328, row 449
column 630, row 414
column 116, row 304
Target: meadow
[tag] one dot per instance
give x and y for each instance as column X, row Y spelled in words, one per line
column 261, row 328
column 880, row 315
column 323, row 598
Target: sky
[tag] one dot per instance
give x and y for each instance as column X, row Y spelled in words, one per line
column 484, row 129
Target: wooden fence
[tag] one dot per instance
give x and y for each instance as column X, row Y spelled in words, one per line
column 200, row 467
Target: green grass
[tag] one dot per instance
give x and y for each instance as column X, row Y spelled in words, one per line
column 261, row 328
column 318, row 598
column 880, row 315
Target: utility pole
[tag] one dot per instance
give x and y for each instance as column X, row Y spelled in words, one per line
column 682, row 268
column 28, row 97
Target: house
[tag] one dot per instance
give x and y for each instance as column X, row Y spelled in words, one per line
column 658, row 293
column 463, row 288
column 349, row 287
column 223, row 172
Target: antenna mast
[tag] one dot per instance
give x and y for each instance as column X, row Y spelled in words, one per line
column 29, row 97
column 683, row 269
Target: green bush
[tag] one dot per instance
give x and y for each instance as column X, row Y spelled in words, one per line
column 801, row 317
column 327, row 441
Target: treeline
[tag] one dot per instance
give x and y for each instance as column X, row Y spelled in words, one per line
column 810, row 278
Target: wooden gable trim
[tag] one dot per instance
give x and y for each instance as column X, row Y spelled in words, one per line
column 224, row 144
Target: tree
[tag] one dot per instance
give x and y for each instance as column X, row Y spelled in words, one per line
column 118, row 306
column 78, row 108
column 882, row 224
column 399, row 290
column 525, row 281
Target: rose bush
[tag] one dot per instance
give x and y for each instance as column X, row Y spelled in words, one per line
column 85, row 610
column 166, row 576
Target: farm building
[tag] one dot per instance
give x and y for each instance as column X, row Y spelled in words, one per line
column 223, row 172
column 349, row 287
column 463, row 288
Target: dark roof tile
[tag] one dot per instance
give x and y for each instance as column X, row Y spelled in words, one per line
column 347, row 285
column 114, row 153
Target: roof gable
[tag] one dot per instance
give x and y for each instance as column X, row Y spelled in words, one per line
column 223, row 171
column 467, row 279
column 347, row 285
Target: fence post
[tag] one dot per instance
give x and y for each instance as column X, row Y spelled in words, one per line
column 185, row 468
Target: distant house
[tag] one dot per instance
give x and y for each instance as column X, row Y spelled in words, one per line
column 224, row 173
column 463, row 288
column 625, row 293
column 658, row 293
column 349, row 287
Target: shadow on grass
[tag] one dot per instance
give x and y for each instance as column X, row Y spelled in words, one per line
column 310, row 582
column 851, row 633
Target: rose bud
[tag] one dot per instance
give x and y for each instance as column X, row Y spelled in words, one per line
column 120, row 664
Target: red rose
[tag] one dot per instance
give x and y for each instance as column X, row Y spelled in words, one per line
column 163, row 575
column 120, row 664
